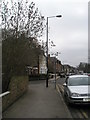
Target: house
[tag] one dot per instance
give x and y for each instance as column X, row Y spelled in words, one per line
column 69, row 69
column 42, row 65
column 52, row 66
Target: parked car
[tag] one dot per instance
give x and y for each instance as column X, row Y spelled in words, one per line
column 76, row 89
column 85, row 73
column 62, row 74
column 88, row 74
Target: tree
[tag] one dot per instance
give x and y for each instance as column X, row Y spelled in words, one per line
column 16, row 54
column 21, row 18
column 22, row 25
column 85, row 67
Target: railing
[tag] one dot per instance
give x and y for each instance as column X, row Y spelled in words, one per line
column 5, row 93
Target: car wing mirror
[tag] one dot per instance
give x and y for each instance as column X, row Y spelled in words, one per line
column 64, row 84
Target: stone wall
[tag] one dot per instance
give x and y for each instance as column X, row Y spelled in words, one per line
column 17, row 87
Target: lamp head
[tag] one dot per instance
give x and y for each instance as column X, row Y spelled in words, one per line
column 59, row 16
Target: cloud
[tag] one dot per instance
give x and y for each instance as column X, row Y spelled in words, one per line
column 69, row 33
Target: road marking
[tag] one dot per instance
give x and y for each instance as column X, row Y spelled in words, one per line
column 79, row 114
column 59, row 91
column 84, row 114
column 57, row 87
column 61, row 88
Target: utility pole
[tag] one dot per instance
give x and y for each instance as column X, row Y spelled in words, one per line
column 55, row 71
column 47, row 53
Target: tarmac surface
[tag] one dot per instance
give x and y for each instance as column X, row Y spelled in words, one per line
column 38, row 102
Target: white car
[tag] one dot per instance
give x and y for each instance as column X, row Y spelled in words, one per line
column 77, row 89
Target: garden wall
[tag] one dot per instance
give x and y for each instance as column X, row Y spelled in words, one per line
column 17, row 87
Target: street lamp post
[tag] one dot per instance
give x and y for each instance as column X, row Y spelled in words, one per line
column 47, row 53
column 55, row 71
column 47, row 45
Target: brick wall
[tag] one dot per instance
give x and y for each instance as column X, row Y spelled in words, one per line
column 17, row 87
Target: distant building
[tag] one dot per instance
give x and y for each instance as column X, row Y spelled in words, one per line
column 31, row 70
column 51, row 64
column 42, row 65
column 69, row 69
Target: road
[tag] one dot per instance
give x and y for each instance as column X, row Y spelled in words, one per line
column 77, row 111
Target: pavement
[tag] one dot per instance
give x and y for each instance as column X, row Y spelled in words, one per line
column 39, row 102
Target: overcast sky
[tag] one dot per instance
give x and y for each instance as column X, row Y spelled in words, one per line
column 70, row 32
